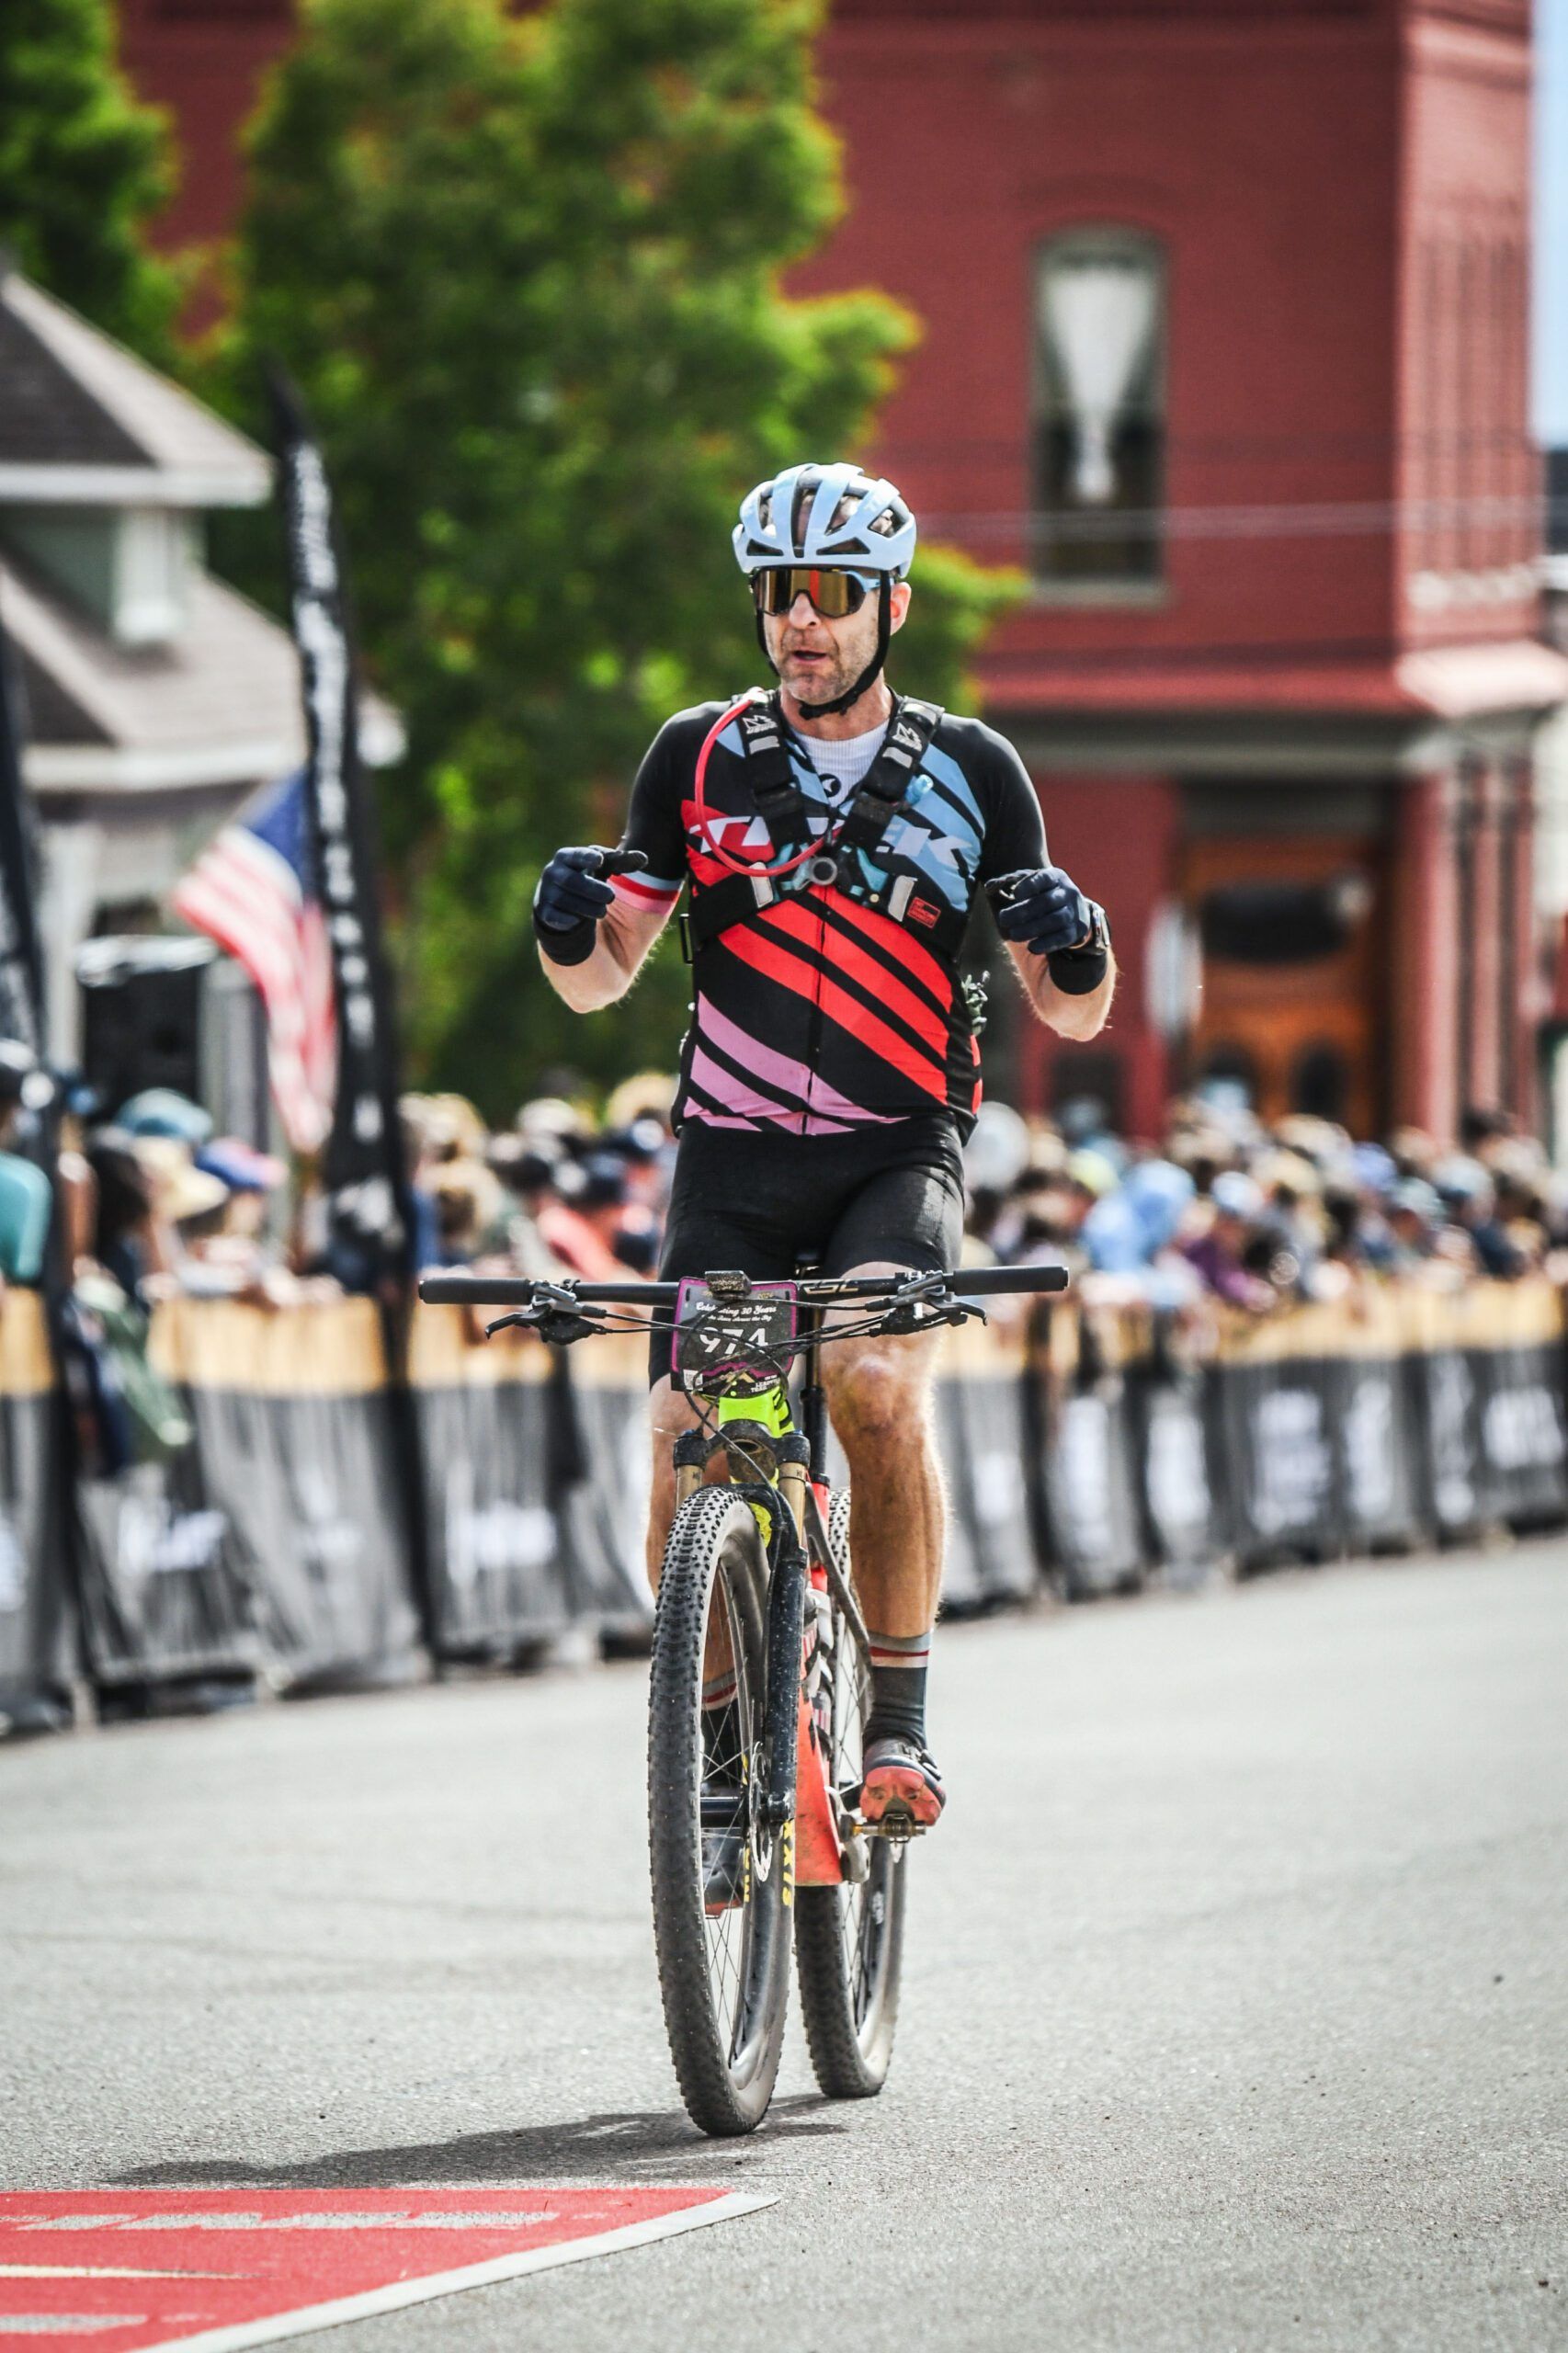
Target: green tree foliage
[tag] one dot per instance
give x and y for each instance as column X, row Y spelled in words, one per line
column 83, row 167
column 527, row 273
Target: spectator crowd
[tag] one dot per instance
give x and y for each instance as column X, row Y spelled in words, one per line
column 154, row 1203
column 1227, row 1208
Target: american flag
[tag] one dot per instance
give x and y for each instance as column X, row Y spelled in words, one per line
column 253, row 891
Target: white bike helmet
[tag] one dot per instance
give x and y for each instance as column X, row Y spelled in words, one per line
column 840, row 519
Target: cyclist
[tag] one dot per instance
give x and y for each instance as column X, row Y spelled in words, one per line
column 830, row 1072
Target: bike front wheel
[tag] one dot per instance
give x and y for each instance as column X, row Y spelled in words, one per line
column 850, row 1940
column 721, row 1900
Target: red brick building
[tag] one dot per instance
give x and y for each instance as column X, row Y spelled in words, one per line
column 1225, row 311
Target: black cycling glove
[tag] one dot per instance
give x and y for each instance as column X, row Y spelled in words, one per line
column 573, row 897
column 1044, row 907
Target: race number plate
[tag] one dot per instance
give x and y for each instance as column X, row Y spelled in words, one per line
column 732, row 1348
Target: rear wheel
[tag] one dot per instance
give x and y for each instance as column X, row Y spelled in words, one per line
column 850, row 1940
column 720, row 1915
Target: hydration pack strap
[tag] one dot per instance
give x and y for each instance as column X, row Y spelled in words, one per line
column 719, row 906
column 881, row 791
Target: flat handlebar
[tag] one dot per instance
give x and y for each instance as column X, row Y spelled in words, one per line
column 521, row 1291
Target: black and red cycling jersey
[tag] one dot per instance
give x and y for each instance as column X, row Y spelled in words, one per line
column 819, row 1015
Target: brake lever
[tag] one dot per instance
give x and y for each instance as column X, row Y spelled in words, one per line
column 940, row 1307
column 556, row 1315
column 525, row 1319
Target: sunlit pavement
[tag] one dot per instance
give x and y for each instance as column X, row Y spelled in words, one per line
column 1236, row 2012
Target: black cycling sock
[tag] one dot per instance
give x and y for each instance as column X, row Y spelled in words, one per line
column 898, row 1688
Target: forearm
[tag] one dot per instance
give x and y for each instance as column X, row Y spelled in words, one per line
column 586, row 987
column 607, row 971
column 1069, row 1016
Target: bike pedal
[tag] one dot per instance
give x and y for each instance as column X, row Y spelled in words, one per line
column 900, row 1827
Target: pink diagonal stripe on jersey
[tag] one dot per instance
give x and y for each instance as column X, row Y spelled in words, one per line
column 731, row 1040
column 736, row 1095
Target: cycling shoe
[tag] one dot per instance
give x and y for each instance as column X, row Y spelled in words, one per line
column 900, row 1778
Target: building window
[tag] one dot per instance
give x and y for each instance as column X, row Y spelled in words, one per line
column 1099, row 410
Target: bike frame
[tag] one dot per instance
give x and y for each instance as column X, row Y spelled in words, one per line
column 792, row 1505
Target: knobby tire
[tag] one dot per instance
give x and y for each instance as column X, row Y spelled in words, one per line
column 726, row 2064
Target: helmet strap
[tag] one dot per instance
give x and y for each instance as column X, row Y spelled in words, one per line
column 873, row 668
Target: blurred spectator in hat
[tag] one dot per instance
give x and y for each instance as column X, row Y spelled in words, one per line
column 429, row 1140
column 1414, row 1213
column 649, row 1095
column 160, row 1112
column 1483, row 1128
column 1048, row 1152
column 1323, row 1141
column 1292, row 1216
column 1129, row 1237
column 26, row 1194
column 227, row 1252
column 1090, row 1172
column 1414, row 1150
column 1219, row 1252
column 997, row 1151
column 185, row 1213
column 129, row 1242
column 251, row 1177
column 583, row 1225
column 552, row 1123
column 456, row 1117
column 469, row 1200
column 1376, row 1171
column 1084, row 1124
column 1347, row 1238
column 1039, row 1223
column 1469, row 1197
column 646, row 1153
column 527, row 1179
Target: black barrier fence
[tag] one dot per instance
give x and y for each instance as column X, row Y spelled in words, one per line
column 273, row 1541
column 536, row 1486
column 1084, row 1453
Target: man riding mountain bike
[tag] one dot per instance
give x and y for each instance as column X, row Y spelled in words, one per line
column 833, row 835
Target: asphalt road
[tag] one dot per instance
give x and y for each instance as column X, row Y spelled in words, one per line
column 1235, row 2015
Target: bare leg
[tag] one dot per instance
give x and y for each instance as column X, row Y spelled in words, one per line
column 880, row 1396
column 670, row 1413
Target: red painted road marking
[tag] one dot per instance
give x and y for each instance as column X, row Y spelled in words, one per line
column 213, row 2270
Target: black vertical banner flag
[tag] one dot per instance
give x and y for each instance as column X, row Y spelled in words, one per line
column 21, row 955
column 364, row 1169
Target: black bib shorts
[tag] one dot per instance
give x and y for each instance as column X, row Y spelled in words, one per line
column 889, row 1191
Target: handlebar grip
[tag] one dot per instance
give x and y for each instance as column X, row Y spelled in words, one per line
column 521, row 1291
column 477, row 1290
column 980, row 1282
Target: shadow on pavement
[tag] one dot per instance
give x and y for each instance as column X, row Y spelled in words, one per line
column 593, row 2148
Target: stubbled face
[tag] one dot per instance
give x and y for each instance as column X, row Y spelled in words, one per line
column 818, row 660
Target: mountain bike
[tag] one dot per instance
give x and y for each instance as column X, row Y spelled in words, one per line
column 760, row 1677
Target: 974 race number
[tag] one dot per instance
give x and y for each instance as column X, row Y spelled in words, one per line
column 733, row 1347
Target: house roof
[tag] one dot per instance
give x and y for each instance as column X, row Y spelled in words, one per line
column 82, row 422
column 220, row 704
